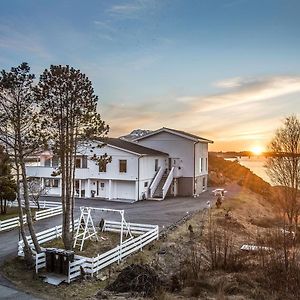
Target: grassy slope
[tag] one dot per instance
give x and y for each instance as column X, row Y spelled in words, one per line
column 222, row 171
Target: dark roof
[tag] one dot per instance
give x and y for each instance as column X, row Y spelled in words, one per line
column 131, row 146
column 188, row 134
column 180, row 132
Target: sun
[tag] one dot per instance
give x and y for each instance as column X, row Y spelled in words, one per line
column 257, row 150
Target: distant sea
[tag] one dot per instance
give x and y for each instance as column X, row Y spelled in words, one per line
column 256, row 165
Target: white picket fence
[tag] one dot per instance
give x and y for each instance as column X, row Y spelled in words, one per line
column 11, row 223
column 49, row 209
column 146, row 234
column 43, row 204
column 47, row 213
column 44, row 236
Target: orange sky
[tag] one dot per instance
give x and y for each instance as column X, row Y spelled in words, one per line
column 243, row 114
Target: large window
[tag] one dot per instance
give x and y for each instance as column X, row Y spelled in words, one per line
column 123, row 166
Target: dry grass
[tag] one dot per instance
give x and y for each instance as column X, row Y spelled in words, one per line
column 91, row 248
column 27, row 280
column 12, row 212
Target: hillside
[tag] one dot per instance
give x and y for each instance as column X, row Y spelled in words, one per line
column 222, row 172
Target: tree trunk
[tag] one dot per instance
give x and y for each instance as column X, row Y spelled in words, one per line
column 26, row 248
column 27, row 208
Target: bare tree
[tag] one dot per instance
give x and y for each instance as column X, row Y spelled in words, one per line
column 36, row 190
column 18, row 133
column 283, row 166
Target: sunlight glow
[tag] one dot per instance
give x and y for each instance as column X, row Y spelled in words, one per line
column 257, row 150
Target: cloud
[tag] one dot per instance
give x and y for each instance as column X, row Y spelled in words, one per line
column 229, row 83
column 240, row 116
column 244, row 91
column 21, row 41
column 132, row 9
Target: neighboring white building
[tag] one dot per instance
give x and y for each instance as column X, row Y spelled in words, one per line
column 163, row 162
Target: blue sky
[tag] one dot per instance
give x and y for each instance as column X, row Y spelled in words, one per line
column 228, row 70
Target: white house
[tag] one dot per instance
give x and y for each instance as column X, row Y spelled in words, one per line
column 188, row 158
column 163, row 162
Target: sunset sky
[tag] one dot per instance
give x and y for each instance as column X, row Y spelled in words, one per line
column 226, row 70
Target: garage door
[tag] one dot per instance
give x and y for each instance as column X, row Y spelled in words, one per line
column 125, row 190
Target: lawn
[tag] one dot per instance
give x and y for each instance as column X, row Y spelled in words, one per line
column 12, row 212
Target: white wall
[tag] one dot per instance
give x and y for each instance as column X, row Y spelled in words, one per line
column 201, row 151
column 147, row 171
column 176, row 147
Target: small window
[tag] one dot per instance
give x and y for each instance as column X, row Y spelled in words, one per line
column 55, row 161
column 78, row 163
column 102, row 166
column 123, row 166
column 201, row 164
column 146, row 184
column 156, row 165
column 48, row 162
column 47, row 182
column 84, row 161
column 102, row 185
column 204, row 183
column 55, row 182
column 77, row 184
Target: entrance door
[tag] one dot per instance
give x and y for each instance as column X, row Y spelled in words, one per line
column 101, row 189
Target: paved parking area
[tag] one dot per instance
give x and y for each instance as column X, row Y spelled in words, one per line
column 162, row 213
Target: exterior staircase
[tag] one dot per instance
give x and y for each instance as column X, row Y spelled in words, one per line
column 158, row 194
column 161, row 184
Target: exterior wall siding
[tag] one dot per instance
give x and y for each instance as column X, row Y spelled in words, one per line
column 185, row 186
column 176, row 147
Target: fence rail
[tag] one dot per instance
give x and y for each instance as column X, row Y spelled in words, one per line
column 44, row 236
column 146, row 234
column 47, row 213
column 11, row 223
column 49, row 209
column 42, row 204
column 95, row 264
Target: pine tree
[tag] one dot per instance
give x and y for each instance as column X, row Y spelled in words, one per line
column 7, row 183
column 19, row 125
column 70, row 119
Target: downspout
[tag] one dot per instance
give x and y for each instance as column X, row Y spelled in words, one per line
column 138, row 179
column 194, row 175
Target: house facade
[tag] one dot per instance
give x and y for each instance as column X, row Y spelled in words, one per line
column 154, row 166
column 188, row 156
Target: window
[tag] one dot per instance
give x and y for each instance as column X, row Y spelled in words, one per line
column 146, row 184
column 201, row 164
column 78, row 163
column 55, row 161
column 55, row 182
column 204, row 184
column 47, row 182
column 77, row 184
column 156, row 165
column 102, row 185
column 48, row 162
column 123, row 166
column 84, row 161
column 102, row 166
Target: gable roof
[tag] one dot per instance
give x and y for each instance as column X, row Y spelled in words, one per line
column 176, row 132
column 132, row 147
